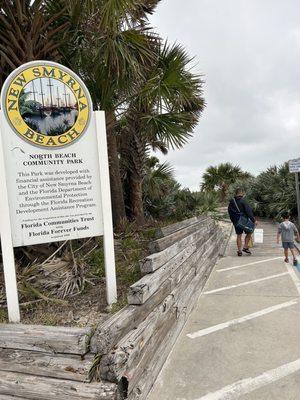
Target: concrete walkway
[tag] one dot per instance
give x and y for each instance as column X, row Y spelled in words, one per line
column 242, row 341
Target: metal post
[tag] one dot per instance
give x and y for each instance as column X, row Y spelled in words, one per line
column 298, row 195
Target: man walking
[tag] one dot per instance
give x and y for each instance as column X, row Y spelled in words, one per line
column 239, row 207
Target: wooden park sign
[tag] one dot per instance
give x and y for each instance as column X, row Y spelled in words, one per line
column 54, row 167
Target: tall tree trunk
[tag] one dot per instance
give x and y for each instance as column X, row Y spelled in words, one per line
column 133, row 151
column 136, row 176
column 224, row 190
column 136, row 198
column 117, row 197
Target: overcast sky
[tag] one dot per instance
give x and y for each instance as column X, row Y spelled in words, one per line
column 249, row 53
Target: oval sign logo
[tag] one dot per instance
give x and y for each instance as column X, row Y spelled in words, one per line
column 46, row 104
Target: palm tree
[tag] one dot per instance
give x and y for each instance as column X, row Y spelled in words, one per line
column 112, row 52
column 159, row 188
column 163, row 196
column 157, row 179
column 274, row 191
column 162, row 116
column 26, row 34
column 220, row 177
column 107, row 42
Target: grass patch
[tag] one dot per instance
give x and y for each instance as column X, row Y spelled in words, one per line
column 121, row 303
column 50, row 320
column 97, row 263
column 3, row 316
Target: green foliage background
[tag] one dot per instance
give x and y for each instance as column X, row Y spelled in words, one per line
column 271, row 193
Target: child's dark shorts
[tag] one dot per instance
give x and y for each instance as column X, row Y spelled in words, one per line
column 288, row 245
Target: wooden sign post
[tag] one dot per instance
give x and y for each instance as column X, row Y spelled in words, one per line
column 54, row 168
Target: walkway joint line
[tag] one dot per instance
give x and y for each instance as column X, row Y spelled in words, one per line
column 246, row 265
column 246, row 283
column 224, row 325
column 248, row 385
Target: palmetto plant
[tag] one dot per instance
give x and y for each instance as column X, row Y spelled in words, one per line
column 157, row 179
column 163, row 197
column 271, row 193
column 159, row 188
column 248, row 186
column 274, row 190
column 26, row 33
column 220, row 177
column 207, row 202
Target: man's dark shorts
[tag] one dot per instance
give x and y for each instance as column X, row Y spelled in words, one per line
column 239, row 231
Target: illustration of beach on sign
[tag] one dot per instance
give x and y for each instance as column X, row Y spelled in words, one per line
column 48, row 106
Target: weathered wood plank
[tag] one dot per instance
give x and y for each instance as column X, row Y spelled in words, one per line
column 143, row 336
column 150, row 373
column 157, row 260
column 44, row 329
column 131, row 347
column 166, row 241
column 139, row 292
column 42, row 364
column 133, row 373
column 108, row 333
column 142, row 377
column 114, row 364
column 204, row 268
column 169, row 229
column 227, row 237
column 41, row 388
column 44, row 338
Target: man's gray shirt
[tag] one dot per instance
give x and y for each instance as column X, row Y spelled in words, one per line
column 288, row 231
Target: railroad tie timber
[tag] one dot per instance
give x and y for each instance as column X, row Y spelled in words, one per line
column 127, row 350
column 48, row 363
column 52, row 339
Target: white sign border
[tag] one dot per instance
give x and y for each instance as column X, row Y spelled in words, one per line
column 5, row 222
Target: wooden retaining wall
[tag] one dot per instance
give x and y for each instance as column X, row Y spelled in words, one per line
column 48, row 363
column 125, row 353
column 133, row 344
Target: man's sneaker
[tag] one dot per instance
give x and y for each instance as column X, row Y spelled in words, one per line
column 247, row 251
column 286, row 260
column 239, row 253
column 295, row 262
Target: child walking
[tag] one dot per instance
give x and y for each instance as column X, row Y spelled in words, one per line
column 287, row 230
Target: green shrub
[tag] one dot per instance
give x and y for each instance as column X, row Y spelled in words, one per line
column 207, row 202
column 271, row 193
